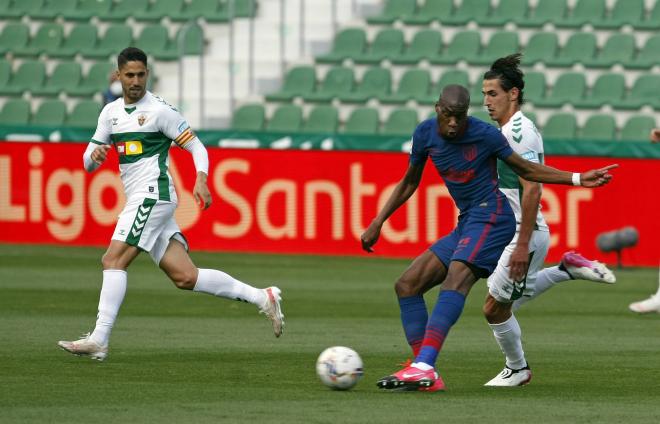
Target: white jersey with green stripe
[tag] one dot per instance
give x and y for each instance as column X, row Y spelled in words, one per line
column 525, row 140
column 142, row 134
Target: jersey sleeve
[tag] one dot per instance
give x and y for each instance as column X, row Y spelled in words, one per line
column 527, row 143
column 501, row 147
column 418, row 152
column 103, row 128
column 174, row 126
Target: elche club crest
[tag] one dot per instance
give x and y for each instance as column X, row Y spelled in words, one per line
column 141, row 119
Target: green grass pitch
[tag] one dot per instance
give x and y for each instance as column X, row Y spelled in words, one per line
column 179, row 357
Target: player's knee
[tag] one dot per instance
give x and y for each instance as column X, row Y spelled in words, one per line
column 109, row 261
column 184, row 280
column 404, row 287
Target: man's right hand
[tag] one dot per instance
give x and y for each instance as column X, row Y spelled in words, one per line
column 370, row 237
column 100, row 153
column 655, row 135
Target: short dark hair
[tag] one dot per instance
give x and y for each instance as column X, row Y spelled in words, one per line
column 130, row 54
column 507, row 71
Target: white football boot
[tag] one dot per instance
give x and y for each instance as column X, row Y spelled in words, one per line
column 511, row 378
column 85, row 347
column 652, row 304
column 581, row 268
column 273, row 310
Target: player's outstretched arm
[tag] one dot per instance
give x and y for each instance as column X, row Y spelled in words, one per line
column 545, row 174
column 201, row 191
column 94, row 156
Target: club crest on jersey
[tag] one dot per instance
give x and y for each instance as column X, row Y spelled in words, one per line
column 141, row 119
column 470, row 152
column 128, row 148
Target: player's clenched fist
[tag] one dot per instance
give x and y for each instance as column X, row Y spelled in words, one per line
column 100, row 153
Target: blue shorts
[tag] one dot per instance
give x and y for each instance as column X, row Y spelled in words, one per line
column 480, row 236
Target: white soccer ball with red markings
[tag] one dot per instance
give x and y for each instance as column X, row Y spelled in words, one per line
column 339, row 367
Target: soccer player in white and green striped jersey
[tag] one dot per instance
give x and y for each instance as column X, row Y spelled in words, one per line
column 141, row 128
column 518, row 277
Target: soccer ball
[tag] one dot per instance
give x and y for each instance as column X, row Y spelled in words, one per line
column 339, row 367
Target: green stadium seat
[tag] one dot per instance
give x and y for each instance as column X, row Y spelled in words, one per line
column 50, row 112
column 155, row 40
column 579, row 47
column 476, row 95
column 376, row 83
column 570, row 87
column 14, row 35
column 541, row 47
column 159, row 9
column 637, row 128
column 322, row 119
column 652, row 21
column 249, row 118
column 469, row 10
column 387, row 44
column 618, row 49
column 54, row 8
column 287, row 118
column 298, row 81
column 465, row 45
column 598, row 127
column 479, row 113
column 451, row 76
column 29, row 76
column 500, row 44
column 362, row 120
column 585, row 12
column 193, row 41
column 96, row 80
column 531, row 116
column 116, row 38
column 82, row 37
column 400, row 122
column 348, row 43
column 560, row 126
column 546, row 11
column 535, row 86
column 648, row 56
column 5, row 73
column 47, row 40
column 337, row 81
column 414, row 85
column 66, row 76
column 426, row 44
column 123, row 9
column 645, row 92
column 431, row 10
column 85, row 114
column 86, row 9
column 608, row 89
column 624, row 12
column 210, row 10
column 15, row 112
column 244, row 8
column 507, row 11
column 394, row 10
column 18, row 9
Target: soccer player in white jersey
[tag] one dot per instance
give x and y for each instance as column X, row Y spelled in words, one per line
column 518, row 277
column 141, row 127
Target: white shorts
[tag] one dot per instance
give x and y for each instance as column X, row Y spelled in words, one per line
column 149, row 225
column 503, row 288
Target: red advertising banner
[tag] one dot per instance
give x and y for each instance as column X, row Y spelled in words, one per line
column 293, row 201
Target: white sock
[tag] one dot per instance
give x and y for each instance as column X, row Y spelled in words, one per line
column 112, row 295
column 545, row 280
column 221, row 284
column 422, row 366
column 508, row 336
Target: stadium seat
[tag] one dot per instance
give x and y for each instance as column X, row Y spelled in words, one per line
column 322, row 119
column 244, row 8
column 535, row 86
column 299, row 81
column 191, row 45
column 18, row 9
column 376, row 83
column 15, row 112
column 584, row 12
column 65, row 77
column 414, row 85
column 394, row 10
column 560, row 126
column 624, row 12
column 349, row 42
column 645, row 92
column 500, row 44
column 569, row 88
column 506, row 11
column 618, row 49
column 426, row 44
column 476, row 96
column 287, row 118
column 400, row 122
column 85, row 114
column 159, row 9
column 47, row 39
column 14, row 35
column 479, row 113
column 29, row 76
column 580, row 46
column 652, row 21
column 210, row 10
column 54, row 8
column 86, row 9
column 598, row 127
column 637, row 128
column 546, row 11
column 249, row 118
column 338, row 81
column 82, row 37
column 429, row 11
column 96, row 80
column 648, row 56
column 154, row 39
column 450, row 76
column 465, row 45
column 608, row 89
column 116, row 38
column 362, row 120
column 50, row 112
column 541, row 47
column 387, row 44
column 5, row 73
column 469, row 10
column 123, row 9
